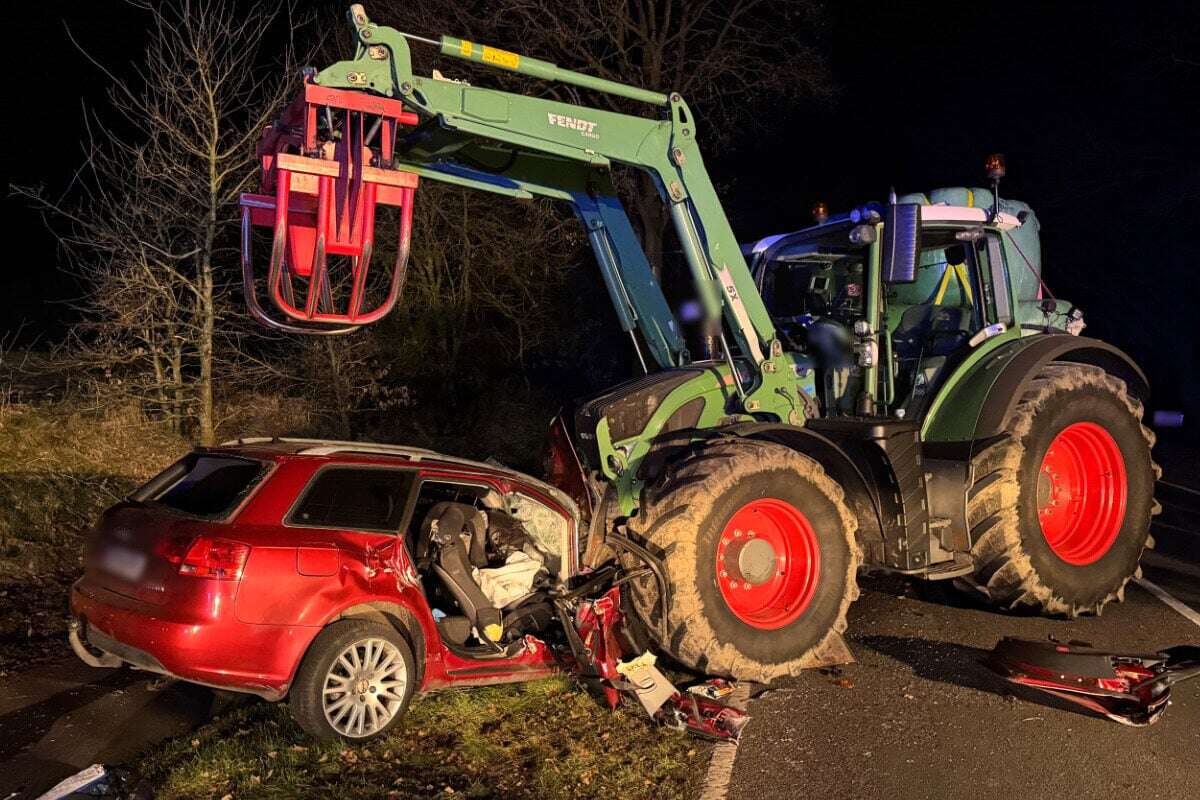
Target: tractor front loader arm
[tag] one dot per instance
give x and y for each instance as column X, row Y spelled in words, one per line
column 521, row 146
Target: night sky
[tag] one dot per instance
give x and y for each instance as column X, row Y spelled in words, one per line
column 1094, row 105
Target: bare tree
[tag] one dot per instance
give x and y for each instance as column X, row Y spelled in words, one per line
column 728, row 58
column 485, row 284
column 150, row 226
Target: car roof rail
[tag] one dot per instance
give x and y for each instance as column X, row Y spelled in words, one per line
column 325, row 447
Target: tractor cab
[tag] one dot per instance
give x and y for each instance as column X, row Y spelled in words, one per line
column 831, row 288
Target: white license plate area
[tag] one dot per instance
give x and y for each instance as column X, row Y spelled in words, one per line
column 126, row 564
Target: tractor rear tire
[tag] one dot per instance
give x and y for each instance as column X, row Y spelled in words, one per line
column 1060, row 508
column 759, row 550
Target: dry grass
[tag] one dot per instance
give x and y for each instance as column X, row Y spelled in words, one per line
column 59, row 468
column 546, row 739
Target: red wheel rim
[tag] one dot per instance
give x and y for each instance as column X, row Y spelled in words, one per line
column 1081, row 493
column 768, row 563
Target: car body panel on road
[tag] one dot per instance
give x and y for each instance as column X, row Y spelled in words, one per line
column 923, row 718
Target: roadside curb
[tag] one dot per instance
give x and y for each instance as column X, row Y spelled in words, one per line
column 720, row 763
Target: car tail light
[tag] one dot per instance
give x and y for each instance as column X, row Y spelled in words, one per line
column 207, row 557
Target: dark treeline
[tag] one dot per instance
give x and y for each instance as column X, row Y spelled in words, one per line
column 505, row 317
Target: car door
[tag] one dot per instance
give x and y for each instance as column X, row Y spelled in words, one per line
column 331, row 544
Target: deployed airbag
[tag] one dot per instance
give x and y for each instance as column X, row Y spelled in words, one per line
column 506, row 585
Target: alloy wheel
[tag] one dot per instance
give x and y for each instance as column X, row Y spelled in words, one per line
column 364, row 688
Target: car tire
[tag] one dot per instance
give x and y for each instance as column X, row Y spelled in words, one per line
column 1060, row 508
column 745, row 603
column 374, row 664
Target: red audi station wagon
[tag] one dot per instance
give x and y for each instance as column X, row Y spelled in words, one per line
column 341, row 576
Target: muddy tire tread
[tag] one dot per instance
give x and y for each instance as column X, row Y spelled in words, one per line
column 1003, row 571
column 673, row 509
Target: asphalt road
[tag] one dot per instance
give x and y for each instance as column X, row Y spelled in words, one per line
column 64, row 716
column 924, row 719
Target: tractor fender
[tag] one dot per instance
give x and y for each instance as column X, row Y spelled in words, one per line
column 861, row 493
column 975, row 405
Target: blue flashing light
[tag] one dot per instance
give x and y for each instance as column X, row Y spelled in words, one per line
column 869, row 213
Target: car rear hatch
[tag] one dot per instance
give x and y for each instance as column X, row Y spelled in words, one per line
column 148, row 547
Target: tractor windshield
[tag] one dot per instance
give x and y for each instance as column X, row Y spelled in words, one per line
column 816, row 284
column 815, row 289
column 814, row 275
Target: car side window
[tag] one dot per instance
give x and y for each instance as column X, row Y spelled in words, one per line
column 354, row 498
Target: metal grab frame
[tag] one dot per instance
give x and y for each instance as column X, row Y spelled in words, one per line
column 323, row 203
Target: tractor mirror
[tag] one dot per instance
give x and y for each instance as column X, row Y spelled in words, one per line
column 901, row 242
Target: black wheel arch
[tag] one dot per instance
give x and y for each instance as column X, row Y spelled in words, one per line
column 861, row 492
column 397, row 616
column 1035, row 353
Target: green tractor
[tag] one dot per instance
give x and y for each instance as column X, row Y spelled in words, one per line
column 890, row 389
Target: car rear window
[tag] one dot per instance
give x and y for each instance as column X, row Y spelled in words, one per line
column 205, row 485
column 355, row 498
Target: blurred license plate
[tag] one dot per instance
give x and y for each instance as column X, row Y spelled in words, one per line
column 124, row 563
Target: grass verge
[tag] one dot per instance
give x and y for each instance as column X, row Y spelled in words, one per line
column 59, row 468
column 547, row 739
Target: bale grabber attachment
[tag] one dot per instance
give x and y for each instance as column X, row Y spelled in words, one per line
column 327, row 165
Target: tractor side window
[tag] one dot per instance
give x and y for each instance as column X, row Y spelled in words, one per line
column 354, row 498
column 946, row 276
column 934, row 317
column 946, row 300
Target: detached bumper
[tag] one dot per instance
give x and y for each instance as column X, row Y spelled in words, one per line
column 101, row 660
column 110, row 629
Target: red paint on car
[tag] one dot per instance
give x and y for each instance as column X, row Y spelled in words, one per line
column 218, row 586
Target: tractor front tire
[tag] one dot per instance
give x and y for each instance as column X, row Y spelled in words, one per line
column 759, row 550
column 1060, row 508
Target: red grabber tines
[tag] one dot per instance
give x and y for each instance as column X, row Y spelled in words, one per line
column 326, row 167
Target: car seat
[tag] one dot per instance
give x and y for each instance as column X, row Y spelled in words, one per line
column 444, row 535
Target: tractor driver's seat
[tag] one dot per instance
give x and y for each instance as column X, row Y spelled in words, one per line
column 927, row 338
